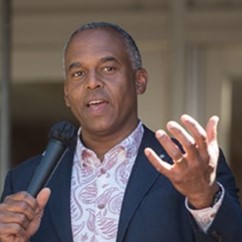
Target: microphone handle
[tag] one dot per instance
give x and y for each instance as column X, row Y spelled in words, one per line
column 52, row 156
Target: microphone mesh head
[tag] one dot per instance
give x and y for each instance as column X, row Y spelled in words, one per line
column 63, row 131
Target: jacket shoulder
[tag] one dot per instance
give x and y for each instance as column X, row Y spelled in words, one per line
column 18, row 178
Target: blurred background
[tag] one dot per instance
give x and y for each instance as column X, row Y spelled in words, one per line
column 192, row 50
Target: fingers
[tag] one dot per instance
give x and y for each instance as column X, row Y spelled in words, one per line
column 160, row 165
column 8, row 233
column 196, row 130
column 194, row 139
column 16, row 213
column 172, row 149
column 213, row 148
column 211, row 128
column 18, row 204
column 20, row 214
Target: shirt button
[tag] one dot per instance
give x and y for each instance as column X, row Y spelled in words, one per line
column 101, row 206
column 103, row 171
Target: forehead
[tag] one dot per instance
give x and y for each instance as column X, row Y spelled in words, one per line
column 97, row 38
column 94, row 45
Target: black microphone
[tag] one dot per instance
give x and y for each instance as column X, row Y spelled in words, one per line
column 60, row 137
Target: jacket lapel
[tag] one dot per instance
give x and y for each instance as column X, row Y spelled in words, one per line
column 59, row 206
column 141, row 179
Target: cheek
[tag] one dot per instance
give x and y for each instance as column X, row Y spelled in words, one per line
column 71, row 96
column 126, row 98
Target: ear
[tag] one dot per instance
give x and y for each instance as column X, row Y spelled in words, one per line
column 141, row 79
column 66, row 99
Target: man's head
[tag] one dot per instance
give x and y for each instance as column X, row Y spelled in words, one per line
column 129, row 42
column 103, row 77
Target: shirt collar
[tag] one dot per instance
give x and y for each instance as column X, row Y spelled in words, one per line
column 130, row 145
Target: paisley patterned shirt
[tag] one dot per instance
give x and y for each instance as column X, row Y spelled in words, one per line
column 97, row 191
column 97, row 188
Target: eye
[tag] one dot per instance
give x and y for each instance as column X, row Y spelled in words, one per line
column 109, row 69
column 78, row 74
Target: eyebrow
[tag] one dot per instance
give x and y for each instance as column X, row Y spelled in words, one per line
column 74, row 65
column 108, row 59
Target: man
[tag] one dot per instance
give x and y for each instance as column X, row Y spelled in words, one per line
column 120, row 181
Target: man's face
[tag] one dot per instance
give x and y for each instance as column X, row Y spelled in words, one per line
column 101, row 86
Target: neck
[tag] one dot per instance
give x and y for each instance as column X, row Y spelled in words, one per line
column 102, row 143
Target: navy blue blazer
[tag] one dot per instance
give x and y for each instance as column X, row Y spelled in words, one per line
column 152, row 210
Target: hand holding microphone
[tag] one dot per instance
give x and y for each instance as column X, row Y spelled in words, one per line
column 21, row 213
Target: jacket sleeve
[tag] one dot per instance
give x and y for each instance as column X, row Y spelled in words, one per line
column 227, row 224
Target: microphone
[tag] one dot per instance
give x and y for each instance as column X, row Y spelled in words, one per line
column 60, row 137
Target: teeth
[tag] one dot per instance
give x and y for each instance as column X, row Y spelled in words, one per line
column 95, row 102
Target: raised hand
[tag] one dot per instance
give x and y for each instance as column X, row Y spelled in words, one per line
column 192, row 173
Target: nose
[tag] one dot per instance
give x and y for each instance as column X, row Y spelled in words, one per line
column 94, row 80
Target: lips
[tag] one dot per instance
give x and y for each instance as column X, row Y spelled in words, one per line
column 97, row 106
column 95, row 102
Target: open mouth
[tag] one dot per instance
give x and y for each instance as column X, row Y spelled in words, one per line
column 95, row 102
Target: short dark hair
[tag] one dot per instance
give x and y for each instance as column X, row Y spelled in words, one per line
column 131, row 47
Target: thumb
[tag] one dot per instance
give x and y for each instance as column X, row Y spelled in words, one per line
column 211, row 129
column 43, row 197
